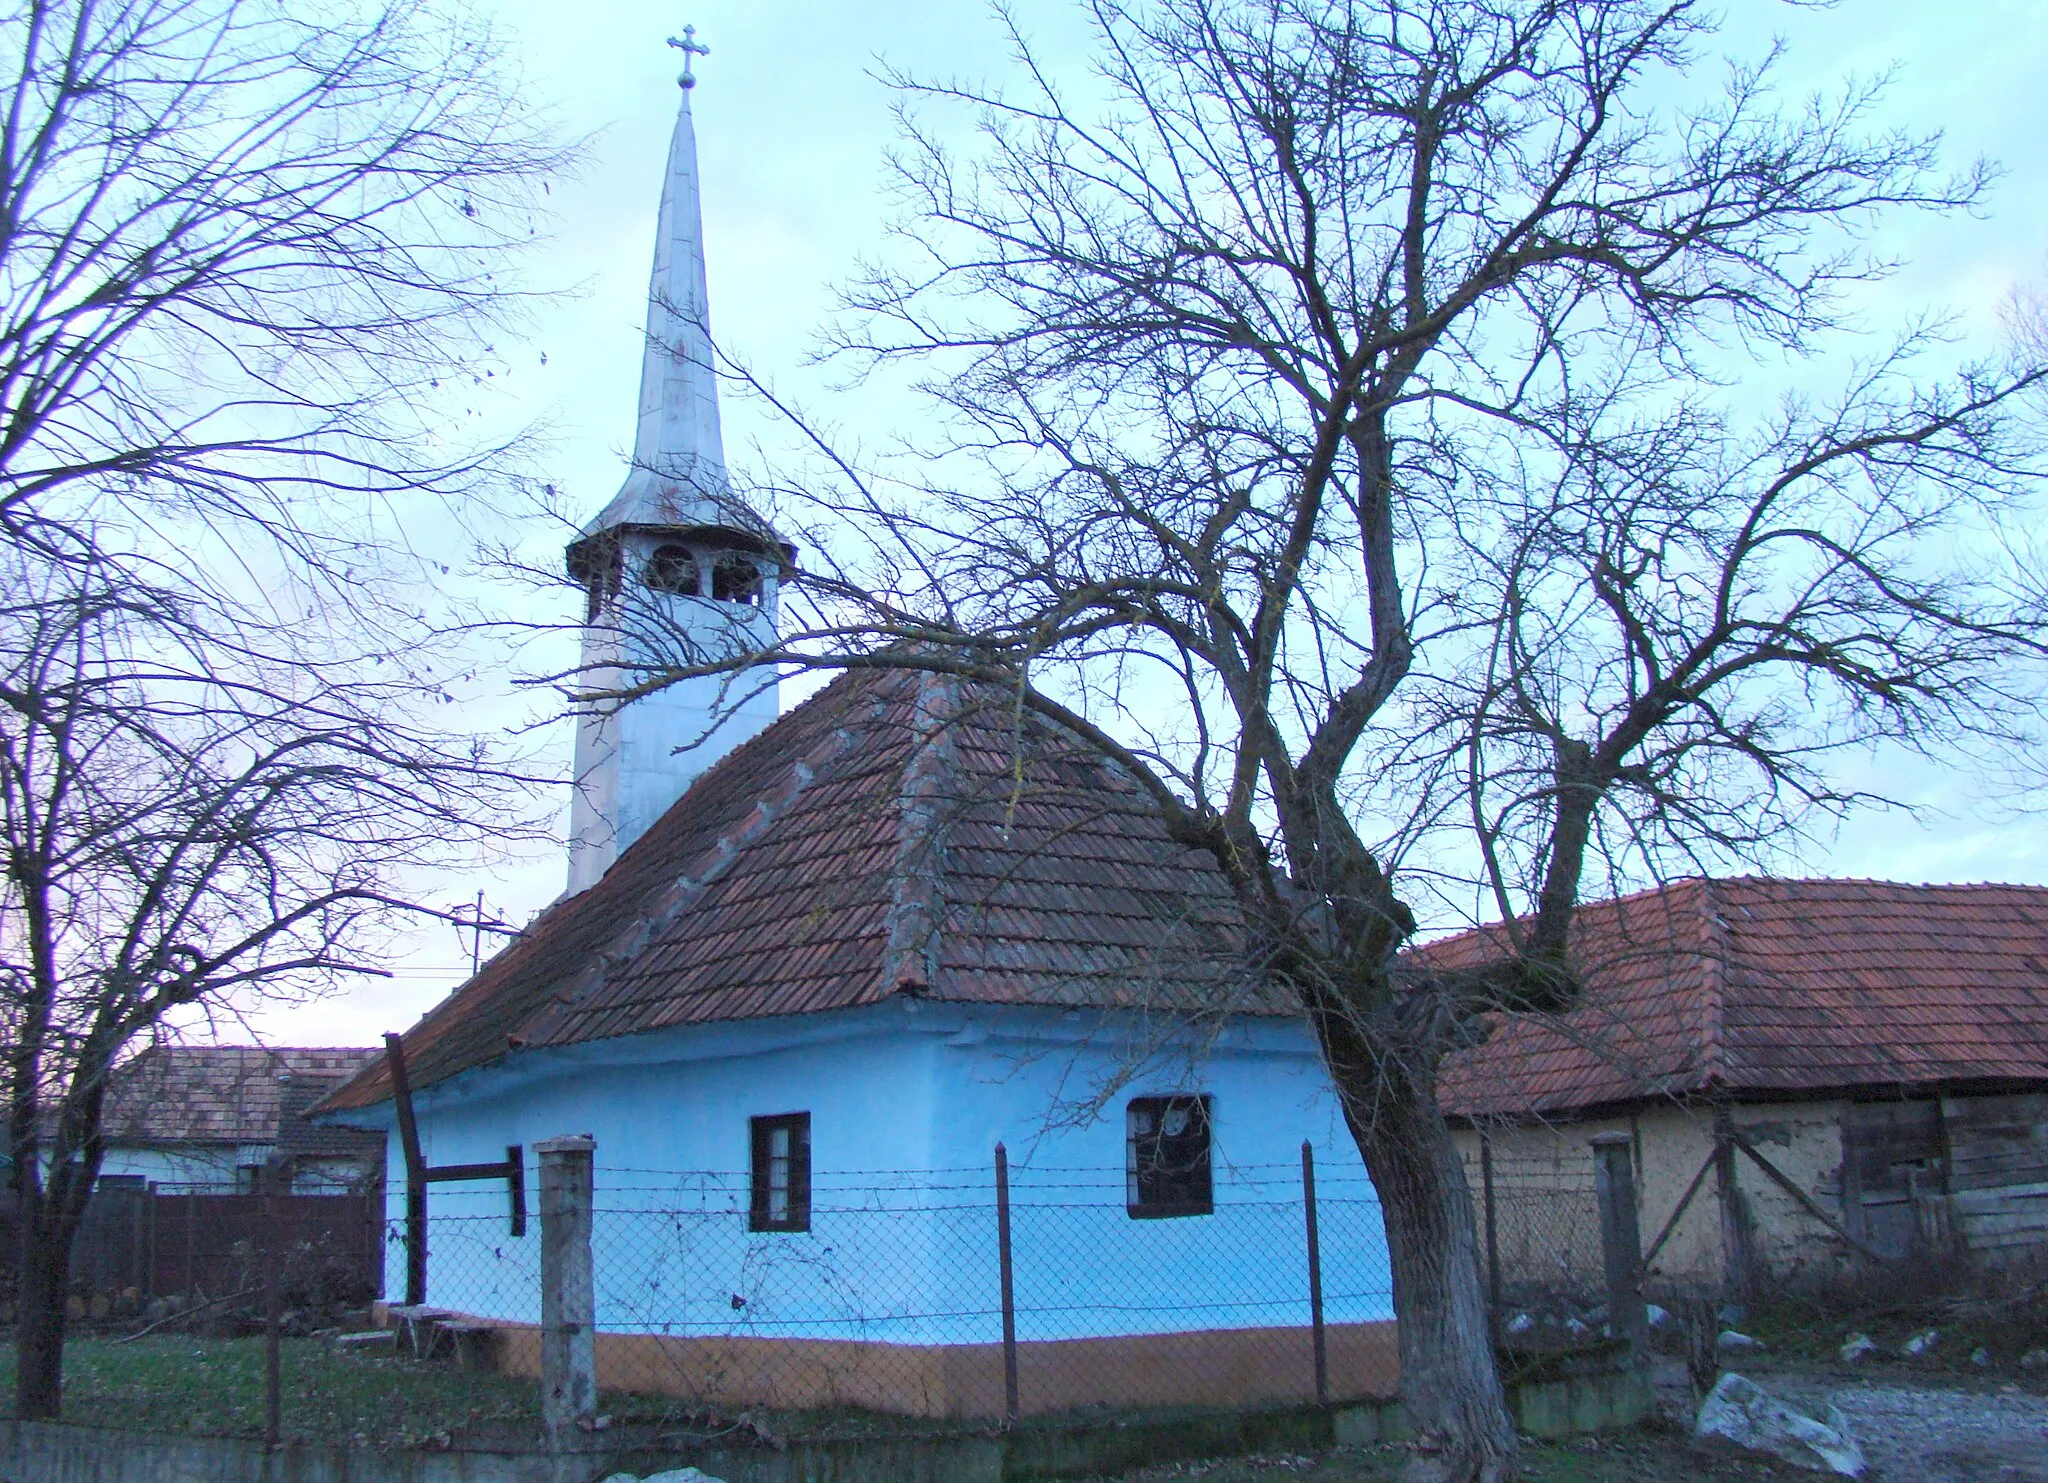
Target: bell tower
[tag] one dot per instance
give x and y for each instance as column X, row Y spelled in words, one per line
column 676, row 570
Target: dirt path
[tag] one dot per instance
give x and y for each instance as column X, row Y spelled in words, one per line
column 1926, row 1434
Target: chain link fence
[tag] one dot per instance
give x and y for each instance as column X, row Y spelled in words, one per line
column 959, row 1294
column 861, row 1305
column 1542, row 1240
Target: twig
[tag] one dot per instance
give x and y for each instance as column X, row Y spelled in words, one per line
column 247, row 1292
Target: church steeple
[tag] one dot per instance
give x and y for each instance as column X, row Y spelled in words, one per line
column 677, row 569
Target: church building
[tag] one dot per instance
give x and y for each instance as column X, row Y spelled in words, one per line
column 812, row 967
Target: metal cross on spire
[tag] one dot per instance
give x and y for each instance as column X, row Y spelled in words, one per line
column 688, row 44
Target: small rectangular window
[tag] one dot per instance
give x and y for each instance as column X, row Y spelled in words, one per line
column 1167, row 1157
column 782, row 1173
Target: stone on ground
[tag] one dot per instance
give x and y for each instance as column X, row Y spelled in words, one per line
column 1743, row 1412
column 1920, row 1343
column 1856, row 1347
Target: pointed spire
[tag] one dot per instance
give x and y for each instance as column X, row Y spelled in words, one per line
column 678, row 476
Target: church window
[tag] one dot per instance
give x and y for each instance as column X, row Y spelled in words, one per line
column 1167, row 1157
column 781, row 1173
column 673, row 569
column 735, row 578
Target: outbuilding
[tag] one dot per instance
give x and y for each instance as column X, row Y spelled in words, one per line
column 1815, row 1075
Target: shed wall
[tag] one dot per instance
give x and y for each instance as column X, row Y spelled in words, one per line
column 1998, row 1172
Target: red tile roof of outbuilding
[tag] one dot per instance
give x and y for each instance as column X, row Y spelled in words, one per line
column 1772, row 987
column 896, row 832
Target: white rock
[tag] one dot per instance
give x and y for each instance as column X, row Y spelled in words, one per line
column 1855, row 1347
column 1732, row 1340
column 2034, row 1359
column 1521, row 1323
column 1980, row 1357
column 1920, row 1343
column 1743, row 1412
column 681, row 1475
column 1659, row 1318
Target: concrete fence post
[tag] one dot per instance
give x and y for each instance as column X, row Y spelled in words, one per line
column 568, row 1302
column 1621, row 1241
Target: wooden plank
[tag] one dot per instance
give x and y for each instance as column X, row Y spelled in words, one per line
column 1981, row 1198
column 448, row 1173
column 1979, row 1173
column 1998, row 1173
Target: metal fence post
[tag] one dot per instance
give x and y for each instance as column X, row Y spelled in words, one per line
column 1492, row 1237
column 1008, row 1274
column 568, row 1300
column 273, row 1304
column 1621, row 1243
column 1315, row 1273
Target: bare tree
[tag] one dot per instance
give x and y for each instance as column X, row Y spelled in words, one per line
column 1695, row 623
column 246, row 252
column 1334, row 438
column 245, row 244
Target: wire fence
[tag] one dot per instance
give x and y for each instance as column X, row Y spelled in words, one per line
column 845, row 1304
column 1541, row 1238
column 961, row 1294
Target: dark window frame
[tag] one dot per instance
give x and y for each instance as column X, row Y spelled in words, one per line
column 761, row 1132
column 1169, row 1175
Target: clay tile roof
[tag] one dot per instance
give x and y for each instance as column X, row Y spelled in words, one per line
column 896, row 832
column 1772, row 988
column 230, row 1094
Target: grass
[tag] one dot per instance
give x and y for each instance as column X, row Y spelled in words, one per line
column 1643, row 1455
column 214, row 1387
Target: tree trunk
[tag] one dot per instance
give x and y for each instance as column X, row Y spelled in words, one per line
column 1449, row 1380
column 39, row 1312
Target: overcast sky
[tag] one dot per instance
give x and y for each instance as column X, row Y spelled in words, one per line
column 792, row 127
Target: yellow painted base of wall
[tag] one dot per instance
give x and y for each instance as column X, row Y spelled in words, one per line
column 1206, row 1367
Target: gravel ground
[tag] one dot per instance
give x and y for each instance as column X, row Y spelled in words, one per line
column 1921, row 1434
